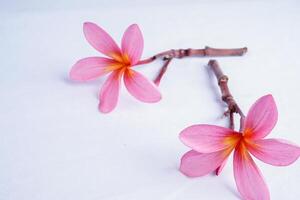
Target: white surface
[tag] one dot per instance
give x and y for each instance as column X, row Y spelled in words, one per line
column 55, row 145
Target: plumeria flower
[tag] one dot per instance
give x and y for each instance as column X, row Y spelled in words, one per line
column 211, row 146
column 119, row 64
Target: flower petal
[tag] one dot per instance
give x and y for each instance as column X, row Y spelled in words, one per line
column 90, row 68
column 220, row 168
column 275, row 152
column 261, row 118
column 109, row 93
column 248, row 178
column 140, row 87
column 208, row 138
column 194, row 164
column 101, row 41
column 133, row 43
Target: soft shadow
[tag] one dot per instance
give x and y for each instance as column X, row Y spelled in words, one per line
column 96, row 83
column 230, row 188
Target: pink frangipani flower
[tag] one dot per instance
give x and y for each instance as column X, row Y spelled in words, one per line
column 119, row 64
column 212, row 145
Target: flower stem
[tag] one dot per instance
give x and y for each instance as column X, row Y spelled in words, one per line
column 162, row 71
column 167, row 56
column 226, row 95
column 228, row 99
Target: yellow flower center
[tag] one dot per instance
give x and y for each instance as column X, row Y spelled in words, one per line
column 120, row 62
column 239, row 141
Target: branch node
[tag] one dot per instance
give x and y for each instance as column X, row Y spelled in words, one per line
column 207, row 51
column 223, row 79
column 226, row 95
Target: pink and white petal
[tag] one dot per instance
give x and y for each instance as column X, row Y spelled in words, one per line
column 220, row 168
column 208, row 138
column 248, row 178
column 195, row 164
column 261, row 118
column 276, row 152
column 133, row 44
column 101, row 41
column 140, row 87
column 90, row 68
column 109, row 93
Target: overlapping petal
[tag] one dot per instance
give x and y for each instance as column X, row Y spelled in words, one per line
column 261, row 118
column 274, row 151
column 122, row 60
column 101, row 41
column 208, row 138
column 194, row 164
column 140, row 87
column 109, row 93
column 248, row 178
column 132, row 44
column 91, row 68
column 220, row 168
column 216, row 143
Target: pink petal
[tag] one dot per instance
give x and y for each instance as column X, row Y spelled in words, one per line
column 90, row 68
column 133, row 43
column 261, row 118
column 101, row 40
column 220, row 168
column 194, row 164
column 275, row 152
column 140, row 87
column 109, row 93
column 248, row 178
column 208, row 138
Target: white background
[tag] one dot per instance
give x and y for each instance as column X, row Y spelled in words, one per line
column 56, row 145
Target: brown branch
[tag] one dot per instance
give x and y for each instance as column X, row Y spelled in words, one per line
column 162, row 71
column 167, row 56
column 206, row 52
column 228, row 99
column 226, row 95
